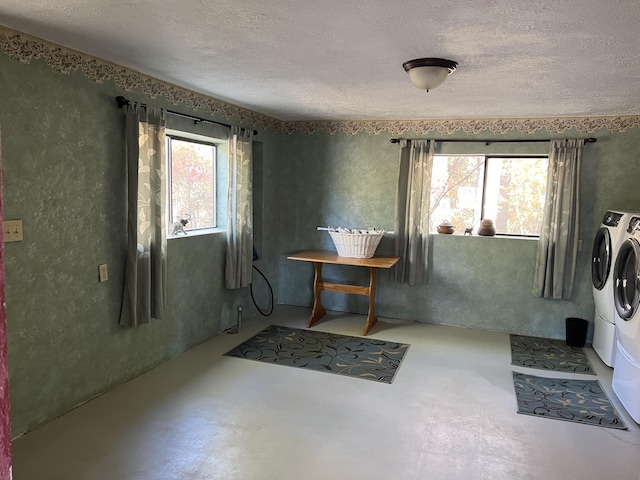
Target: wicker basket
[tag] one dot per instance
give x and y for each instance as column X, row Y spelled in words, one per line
column 356, row 245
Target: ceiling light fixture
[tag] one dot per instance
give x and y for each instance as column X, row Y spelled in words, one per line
column 429, row 73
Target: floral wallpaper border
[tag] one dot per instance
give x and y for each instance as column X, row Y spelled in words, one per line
column 24, row 48
column 582, row 125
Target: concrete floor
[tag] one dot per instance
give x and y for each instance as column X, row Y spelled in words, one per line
column 449, row 414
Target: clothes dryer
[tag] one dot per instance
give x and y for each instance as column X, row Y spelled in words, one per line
column 605, row 248
column 626, row 284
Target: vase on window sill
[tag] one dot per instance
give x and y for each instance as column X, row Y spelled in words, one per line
column 487, row 228
column 446, row 228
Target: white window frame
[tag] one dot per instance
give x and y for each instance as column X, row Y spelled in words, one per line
column 486, row 162
column 193, row 138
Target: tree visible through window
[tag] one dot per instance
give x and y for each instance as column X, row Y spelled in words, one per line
column 192, row 193
column 508, row 190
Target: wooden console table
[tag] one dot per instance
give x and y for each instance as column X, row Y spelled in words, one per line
column 320, row 257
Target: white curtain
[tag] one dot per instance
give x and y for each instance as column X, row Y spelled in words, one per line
column 146, row 269
column 558, row 243
column 412, row 211
column 240, row 210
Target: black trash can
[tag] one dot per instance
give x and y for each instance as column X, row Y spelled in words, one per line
column 576, row 331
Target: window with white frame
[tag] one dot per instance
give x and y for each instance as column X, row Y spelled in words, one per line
column 191, row 187
column 509, row 190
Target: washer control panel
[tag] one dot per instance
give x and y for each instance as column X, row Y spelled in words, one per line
column 611, row 219
column 634, row 225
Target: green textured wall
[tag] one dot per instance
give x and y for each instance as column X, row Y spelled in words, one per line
column 478, row 282
column 64, row 176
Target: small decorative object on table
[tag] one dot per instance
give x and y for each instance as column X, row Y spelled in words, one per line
column 446, row 227
column 487, row 228
column 356, row 242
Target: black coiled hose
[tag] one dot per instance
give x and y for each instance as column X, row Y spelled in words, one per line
column 270, row 291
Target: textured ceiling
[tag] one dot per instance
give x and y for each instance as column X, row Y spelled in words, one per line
column 342, row 59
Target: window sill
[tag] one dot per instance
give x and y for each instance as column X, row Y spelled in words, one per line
column 508, row 237
column 197, row 233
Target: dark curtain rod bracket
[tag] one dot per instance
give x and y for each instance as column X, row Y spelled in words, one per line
column 489, row 142
column 121, row 101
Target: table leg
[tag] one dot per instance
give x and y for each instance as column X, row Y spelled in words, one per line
column 371, row 316
column 318, row 310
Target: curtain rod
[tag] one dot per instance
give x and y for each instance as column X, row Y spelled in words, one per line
column 488, row 142
column 121, row 101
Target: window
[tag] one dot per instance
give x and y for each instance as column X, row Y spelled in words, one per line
column 191, row 190
column 509, row 190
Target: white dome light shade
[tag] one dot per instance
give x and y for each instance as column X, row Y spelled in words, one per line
column 429, row 73
column 428, row 78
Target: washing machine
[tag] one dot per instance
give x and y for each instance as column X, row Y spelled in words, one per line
column 626, row 288
column 605, row 248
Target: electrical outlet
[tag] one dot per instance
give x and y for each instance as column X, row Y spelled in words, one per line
column 103, row 274
column 12, row 230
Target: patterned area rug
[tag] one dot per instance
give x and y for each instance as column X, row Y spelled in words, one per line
column 581, row 401
column 365, row 358
column 548, row 354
